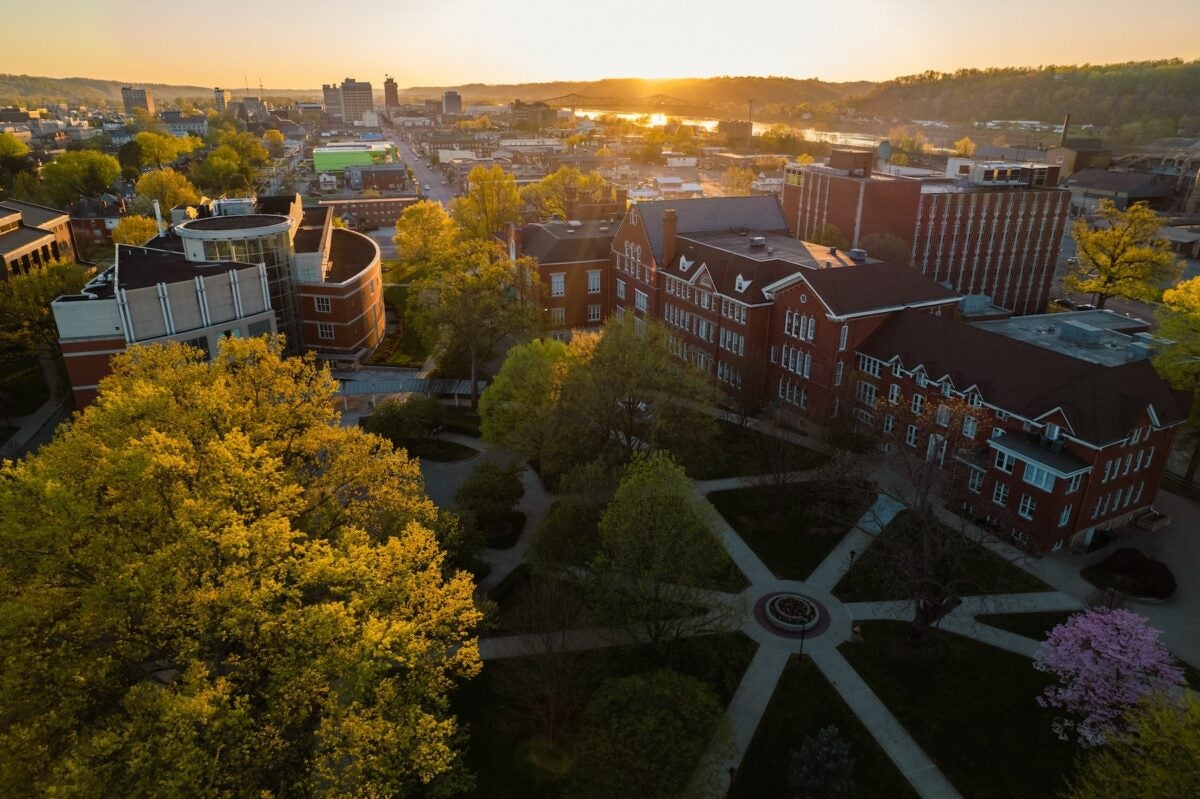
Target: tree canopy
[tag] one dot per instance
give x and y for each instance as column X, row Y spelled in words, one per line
column 156, row 149
column 135, row 229
column 26, row 321
column 1122, row 256
column 736, row 182
column 549, row 196
column 490, row 202
column 425, row 234
column 210, row 588
column 273, row 140
column 83, row 173
column 167, row 186
column 1178, row 359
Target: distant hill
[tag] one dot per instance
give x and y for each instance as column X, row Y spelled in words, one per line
column 31, row 90
column 1108, row 96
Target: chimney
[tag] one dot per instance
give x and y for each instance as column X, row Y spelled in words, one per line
column 670, row 223
column 1066, row 125
column 158, row 221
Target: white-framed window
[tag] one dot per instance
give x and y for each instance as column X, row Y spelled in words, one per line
column 1026, row 506
column 865, row 392
column 975, row 481
column 1037, row 476
column 1000, row 494
column 843, row 336
column 323, row 304
column 807, row 364
column 558, row 316
column 1053, row 431
column 870, row 365
column 946, row 390
column 594, row 313
column 889, row 423
column 943, row 416
column 324, row 330
column 1138, row 496
column 774, row 353
column 1064, row 516
column 911, row 435
column 1128, row 463
column 896, row 370
column 620, row 288
column 639, row 299
column 1136, row 437
column 837, row 373
column 1074, row 483
column 974, row 400
column 639, row 325
column 558, row 284
column 894, row 393
column 970, row 426
column 1005, row 462
column 918, row 402
column 593, row 276
column 1149, row 457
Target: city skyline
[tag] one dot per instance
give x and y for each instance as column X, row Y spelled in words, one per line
column 452, row 43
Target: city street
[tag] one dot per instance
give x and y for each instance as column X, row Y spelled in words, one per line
column 429, row 178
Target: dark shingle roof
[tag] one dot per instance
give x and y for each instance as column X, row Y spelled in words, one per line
column 551, row 243
column 862, row 288
column 139, row 267
column 761, row 213
column 22, row 236
column 1143, row 184
column 1101, row 403
column 33, row 214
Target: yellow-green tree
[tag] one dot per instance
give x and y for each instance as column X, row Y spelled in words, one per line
column 1178, row 360
column 82, row 173
column 519, row 410
column 210, row 588
column 482, row 301
column 273, row 139
column 156, row 148
column 491, row 202
column 1123, row 256
column 134, row 229
column 167, row 186
column 550, row 194
column 223, row 171
column 11, row 146
column 736, row 182
column 424, row 234
column 1156, row 757
column 964, row 147
column 26, row 322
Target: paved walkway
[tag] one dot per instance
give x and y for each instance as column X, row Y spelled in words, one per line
column 35, row 428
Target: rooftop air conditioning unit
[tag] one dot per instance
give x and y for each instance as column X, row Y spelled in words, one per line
column 758, row 241
column 857, row 254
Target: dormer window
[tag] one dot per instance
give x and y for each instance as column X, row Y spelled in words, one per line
column 684, row 264
column 1053, row 431
column 741, row 284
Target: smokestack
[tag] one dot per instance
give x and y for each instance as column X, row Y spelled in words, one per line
column 158, row 218
column 1066, row 125
column 670, row 223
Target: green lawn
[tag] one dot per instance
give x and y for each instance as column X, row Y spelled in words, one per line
column 403, row 347
column 803, row 703
column 740, row 451
column 791, row 529
column 434, row 449
column 22, row 390
column 971, row 707
column 514, row 617
column 982, row 572
column 511, row 762
column 462, row 421
column 1031, row 625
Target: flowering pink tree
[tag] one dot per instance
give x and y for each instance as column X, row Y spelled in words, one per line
column 1105, row 661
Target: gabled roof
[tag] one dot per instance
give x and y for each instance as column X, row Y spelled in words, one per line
column 1101, row 403
column 761, row 213
column 562, row 243
column 868, row 287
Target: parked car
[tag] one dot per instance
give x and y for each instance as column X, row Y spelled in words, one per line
column 1086, row 306
column 1063, row 302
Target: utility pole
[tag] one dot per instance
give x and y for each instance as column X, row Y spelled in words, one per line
column 750, row 118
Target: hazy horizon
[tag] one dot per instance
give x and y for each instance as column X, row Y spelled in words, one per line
column 457, row 42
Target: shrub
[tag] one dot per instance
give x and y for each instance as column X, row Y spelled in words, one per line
column 1129, row 571
column 491, row 492
column 822, row 767
column 409, row 420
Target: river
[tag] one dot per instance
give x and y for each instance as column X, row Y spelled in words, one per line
column 809, row 134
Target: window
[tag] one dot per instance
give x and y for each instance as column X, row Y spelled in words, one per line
column 594, row 281
column 1138, row 496
column 323, row 304
column 866, row 392
column 917, row 403
column 946, row 390
column 943, row 416
column 1025, row 509
column 1149, row 457
column 974, row 400
column 1064, row 516
column 896, row 370
column 837, row 373
column 594, row 313
column 975, row 481
column 1053, row 431
column 620, row 289
column 773, row 354
column 870, row 366
column 1073, row 485
column 1000, row 494
column 1128, row 463
column 1005, row 462
column 558, row 316
column 1136, row 437
column 970, row 426
column 1037, row 476
column 910, row 437
column 894, row 393
column 889, row 423
column 324, row 330
column 558, row 284
column 807, row 363
column 842, row 336
column 639, row 300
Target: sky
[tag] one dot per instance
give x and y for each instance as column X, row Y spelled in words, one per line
column 302, row 44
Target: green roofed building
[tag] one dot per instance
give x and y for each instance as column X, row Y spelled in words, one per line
column 339, row 155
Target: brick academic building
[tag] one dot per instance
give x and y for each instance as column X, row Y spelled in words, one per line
column 992, row 230
column 1073, row 424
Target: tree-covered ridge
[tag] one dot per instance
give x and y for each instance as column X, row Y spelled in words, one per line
column 1104, row 95
column 36, row 90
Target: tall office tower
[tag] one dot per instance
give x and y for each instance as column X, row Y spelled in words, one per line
column 221, row 98
column 391, row 93
column 137, row 98
column 332, row 97
column 451, row 103
column 356, row 99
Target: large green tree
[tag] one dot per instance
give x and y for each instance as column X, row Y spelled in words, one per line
column 1178, row 359
column 83, row 173
column 210, row 588
column 549, row 196
column 425, row 234
column 135, row 229
column 1122, row 256
column 273, row 140
column 167, row 186
column 223, row 171
column 26, row 321
column 14, row 160
column 490, row 202
column 519, row 410
column 483, row 300
column 156, row 149
column 886, row 247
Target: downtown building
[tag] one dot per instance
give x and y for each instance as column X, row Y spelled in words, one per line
column 356, row 100
column 321, row 286
column 991, row 228
column 1071, row 421
column 137, row 98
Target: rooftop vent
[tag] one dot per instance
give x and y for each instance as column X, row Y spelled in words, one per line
column 1079, row 333
column 575, row 223
column 833, row 250
column 857, row 254
column 770, row 249
column 758, row 241
column 604, row 228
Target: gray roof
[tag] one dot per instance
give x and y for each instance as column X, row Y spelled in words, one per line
column 559, row 242
column 32, row 214
column 1141, row 184
column 22, row 237
column 761, row 213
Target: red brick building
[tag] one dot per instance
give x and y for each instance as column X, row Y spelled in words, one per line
column 32, row 236
column 993, row 231
column 573, row 260
column 1073, row 424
